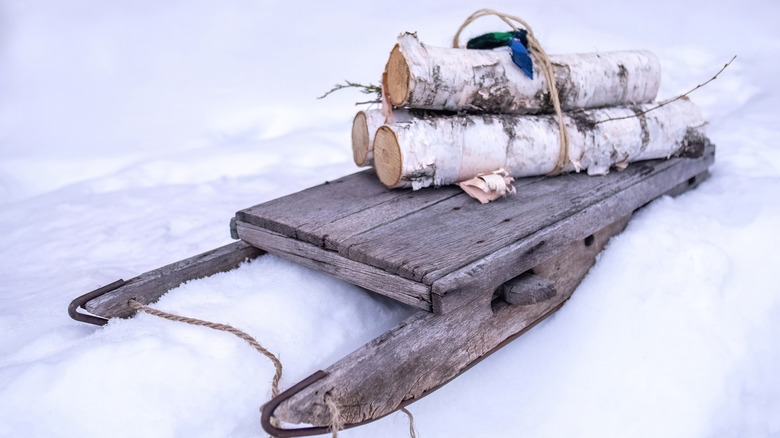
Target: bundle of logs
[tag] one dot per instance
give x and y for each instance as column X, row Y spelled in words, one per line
column 451, row 115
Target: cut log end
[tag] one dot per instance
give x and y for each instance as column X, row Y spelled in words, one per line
column 360, row 139
column 387, row 157
column 397, row 78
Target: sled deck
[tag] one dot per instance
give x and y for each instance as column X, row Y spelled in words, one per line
column 480, row 275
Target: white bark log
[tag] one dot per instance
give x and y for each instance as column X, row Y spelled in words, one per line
column 445, row 150
column 437, row 78
column 364, row 127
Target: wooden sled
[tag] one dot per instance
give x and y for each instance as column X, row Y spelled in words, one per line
column 481, row 275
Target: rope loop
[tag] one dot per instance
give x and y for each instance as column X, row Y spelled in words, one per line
column 547, row 70
column 138, row 306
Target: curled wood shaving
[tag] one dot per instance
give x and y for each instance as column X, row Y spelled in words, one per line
column 488, row 186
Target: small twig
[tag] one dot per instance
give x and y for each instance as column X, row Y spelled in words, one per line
column 365, row 89
column 368, row 102
column 667, row 102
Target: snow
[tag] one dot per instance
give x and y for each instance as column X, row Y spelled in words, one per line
column 130, row 133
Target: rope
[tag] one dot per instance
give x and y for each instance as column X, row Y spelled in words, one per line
column 335, row 415
column 546, row 66
column 221, row 327
column 336, row 423
column 412, row 432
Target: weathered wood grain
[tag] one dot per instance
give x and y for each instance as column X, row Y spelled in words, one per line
column 330, row 262
column 336, row 231
column 429, row 244
column 293, row 215
column 443, row 239
column 337, row 234
column 569, row 267
column 328, row 214
column 350, row 204
column 150, row 286
column 511, row 260
column 427, row 350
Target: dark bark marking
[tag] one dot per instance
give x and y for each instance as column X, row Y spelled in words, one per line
column 582, row 122
column 566, row 87
column 493, row 93
column 693, row 144
column 643, row 126
column 622, row 75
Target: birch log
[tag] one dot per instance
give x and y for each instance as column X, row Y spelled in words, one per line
column 437, row 78
column 365, row 125
column 445, row 150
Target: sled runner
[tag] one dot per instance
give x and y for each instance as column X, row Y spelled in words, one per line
column 480, row 275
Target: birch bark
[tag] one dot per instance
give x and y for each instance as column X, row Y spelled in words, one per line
column 365, row 125
column 445, row 150
column 437, row 78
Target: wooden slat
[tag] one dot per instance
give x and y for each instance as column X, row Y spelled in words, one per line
column 309, row 255
column 351, row 204
column 293, row 215
column 150, row 286
column 337, row 234
column 331, row 213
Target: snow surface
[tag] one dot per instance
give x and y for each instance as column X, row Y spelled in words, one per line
column 130, row 132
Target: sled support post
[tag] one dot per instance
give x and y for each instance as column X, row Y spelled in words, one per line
column 527, row 289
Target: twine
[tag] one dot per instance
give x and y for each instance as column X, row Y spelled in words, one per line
column 335, row 415
column 336, row 422
column 546, row 66
column 221, row 327
column 412, row 432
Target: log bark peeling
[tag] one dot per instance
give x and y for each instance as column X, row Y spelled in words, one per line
column 438, row 78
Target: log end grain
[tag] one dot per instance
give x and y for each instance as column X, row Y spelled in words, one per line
column 397, row 78
column 360, row 139
column 387, row 157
